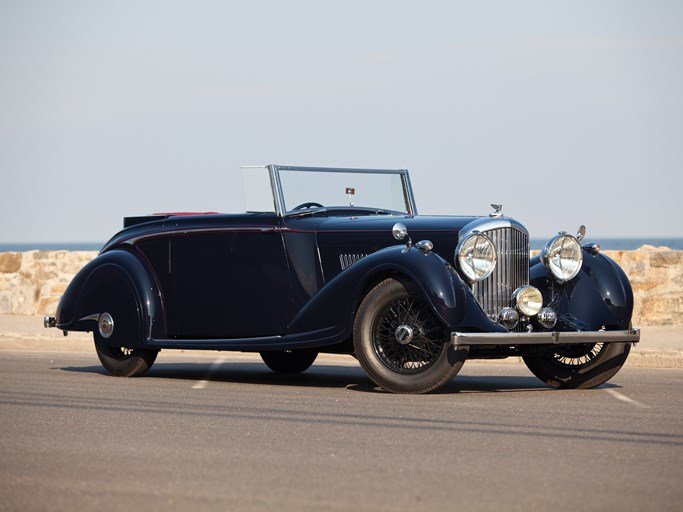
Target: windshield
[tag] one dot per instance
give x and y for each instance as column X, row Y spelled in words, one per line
column 343, row 189
column 285, row 189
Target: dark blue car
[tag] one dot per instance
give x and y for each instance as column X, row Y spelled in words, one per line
column 338, row 260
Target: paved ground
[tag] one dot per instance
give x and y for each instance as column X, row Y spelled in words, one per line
column 220, row 432
column 659, row 346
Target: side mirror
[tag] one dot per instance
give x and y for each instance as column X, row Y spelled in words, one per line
column 399, row 231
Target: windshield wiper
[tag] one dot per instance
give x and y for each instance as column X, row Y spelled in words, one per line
column 305, row 213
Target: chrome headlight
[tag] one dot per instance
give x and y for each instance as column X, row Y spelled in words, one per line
column 476, row 257
column 562, row 257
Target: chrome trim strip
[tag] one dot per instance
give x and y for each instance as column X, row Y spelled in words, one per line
column 94, row 316
column 170, row 232
column 341, row 169
column 544, row 338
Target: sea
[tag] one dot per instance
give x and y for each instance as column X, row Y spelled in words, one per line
column 610, row 244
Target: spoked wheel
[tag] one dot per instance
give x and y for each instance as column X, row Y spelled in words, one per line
column 122, row 361
column 582, row 366
column 289, row 361
column 400, row 342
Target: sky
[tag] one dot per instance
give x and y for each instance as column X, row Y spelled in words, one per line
column 565, row 112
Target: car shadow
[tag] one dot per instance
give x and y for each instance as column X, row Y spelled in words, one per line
column 321, row 376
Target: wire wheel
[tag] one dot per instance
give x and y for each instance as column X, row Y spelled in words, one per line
column 406, row 336
column 401, row 343
column 581, row 366
column 124, row 361
column 121, row 352
column 575, row 356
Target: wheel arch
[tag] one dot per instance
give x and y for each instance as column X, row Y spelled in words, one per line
column 113, row 280
column 337, row 302
column 600, row 296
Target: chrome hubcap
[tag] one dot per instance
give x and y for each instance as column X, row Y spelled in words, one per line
column 105, row 324
column 404, row 334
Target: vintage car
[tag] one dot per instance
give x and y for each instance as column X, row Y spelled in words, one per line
column 338, row 261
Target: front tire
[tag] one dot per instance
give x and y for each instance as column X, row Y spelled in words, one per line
column 578, row 366
column 122, row 361
column 400, row 342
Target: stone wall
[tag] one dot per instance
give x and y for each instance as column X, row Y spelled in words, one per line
column 32, row 282
column 656, row 275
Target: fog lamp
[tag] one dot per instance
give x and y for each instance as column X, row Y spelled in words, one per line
column 547, row 318
column 508, row 318
column 528, row 300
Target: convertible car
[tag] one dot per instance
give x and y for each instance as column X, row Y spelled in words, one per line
column 339, row 261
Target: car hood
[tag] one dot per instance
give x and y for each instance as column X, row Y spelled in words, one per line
column 417, row 223
column 344, row 239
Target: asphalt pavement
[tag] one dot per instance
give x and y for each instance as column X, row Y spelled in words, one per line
column 219, row 431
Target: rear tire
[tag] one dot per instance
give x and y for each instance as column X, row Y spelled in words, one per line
column 579, row 366
column 122, row 361
column 400, row 342
column 289, row 361
column 111, row 302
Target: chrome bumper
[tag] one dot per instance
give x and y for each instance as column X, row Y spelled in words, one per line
column 544, row 338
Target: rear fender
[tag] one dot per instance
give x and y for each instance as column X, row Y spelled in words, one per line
column 119, row 283
column 599, row 296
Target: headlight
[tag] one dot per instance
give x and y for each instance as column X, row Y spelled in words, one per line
column 562, row 257
column 476, row 257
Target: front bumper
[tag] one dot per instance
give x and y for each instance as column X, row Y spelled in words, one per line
column 544, row 338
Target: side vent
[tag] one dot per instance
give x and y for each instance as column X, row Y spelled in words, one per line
column 346, row 260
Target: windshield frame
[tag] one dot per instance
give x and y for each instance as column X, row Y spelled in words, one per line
column 278, row 194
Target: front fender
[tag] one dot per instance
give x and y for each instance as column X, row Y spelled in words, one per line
column 599, row 296
column 115, row 280
column 335, row 304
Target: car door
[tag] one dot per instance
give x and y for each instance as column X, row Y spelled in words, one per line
column 231, row 282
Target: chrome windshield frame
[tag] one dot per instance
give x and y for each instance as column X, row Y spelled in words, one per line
column 278, row 194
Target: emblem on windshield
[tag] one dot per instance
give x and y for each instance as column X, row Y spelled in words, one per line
column 350, row 192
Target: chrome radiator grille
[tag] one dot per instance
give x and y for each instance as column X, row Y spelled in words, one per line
column 511, row 272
